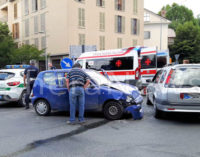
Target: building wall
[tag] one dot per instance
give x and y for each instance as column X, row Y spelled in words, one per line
column 62, row 29
column 158, row 28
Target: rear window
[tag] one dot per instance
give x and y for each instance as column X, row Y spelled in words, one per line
column 185, row 77
column 6, row 75
column 119, row 63
column 148, row 62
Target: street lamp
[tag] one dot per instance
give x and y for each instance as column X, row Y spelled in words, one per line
column 46, row 60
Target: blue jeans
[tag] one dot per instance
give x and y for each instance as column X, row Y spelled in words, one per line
column 77, row 97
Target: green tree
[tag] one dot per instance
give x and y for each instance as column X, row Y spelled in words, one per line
column 178, row 14
column 27, row 52
column 7, row 45
column 187, row 42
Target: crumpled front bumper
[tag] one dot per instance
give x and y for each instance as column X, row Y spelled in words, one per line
column 136, row 111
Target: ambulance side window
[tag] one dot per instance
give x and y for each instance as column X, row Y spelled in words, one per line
column 117, row 63
column 148, row 62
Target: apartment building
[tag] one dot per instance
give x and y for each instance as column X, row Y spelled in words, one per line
column 56, row 25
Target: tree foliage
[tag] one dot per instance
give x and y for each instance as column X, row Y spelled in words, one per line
column 178, row 14
column 7, row 45
column 187, row 42
column 27, row 52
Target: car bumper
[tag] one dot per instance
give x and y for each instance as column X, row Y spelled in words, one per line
column 9, row 96
column 178, row 108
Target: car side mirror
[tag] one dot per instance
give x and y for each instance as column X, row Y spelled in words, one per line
column 148, row 80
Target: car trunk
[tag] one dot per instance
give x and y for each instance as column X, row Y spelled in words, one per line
column 184, row 86
column 4, row 78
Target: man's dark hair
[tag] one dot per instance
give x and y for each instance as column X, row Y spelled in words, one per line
column 77, row 65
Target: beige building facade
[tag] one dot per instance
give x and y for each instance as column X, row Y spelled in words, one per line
column 56, row 25
column 155, row 30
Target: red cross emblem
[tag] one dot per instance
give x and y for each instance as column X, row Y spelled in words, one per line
column 148, row 61
column 118, row 63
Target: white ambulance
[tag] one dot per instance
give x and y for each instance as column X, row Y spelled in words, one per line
column 121, row 65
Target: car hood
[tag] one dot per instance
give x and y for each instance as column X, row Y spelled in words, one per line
column 125, row 88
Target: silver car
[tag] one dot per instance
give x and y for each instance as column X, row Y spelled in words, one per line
column 175, row 89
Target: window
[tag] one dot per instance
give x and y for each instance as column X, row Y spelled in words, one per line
column 6, row 75
column 43, row 43
column 101, row 3
column 15, row 11
column 82, row 1
column 81, row 13
column 61, row 80
column 163, row 76
column 148, row 62
column 134, row 42
column 43, row 23
column 119, row 63
column 80, row 62
column 119, row 24
column 146, row 17
column 102, row 22
column 120, row 5
column 157, row 76
column 49, row 79
column 147, row 34
column 36, row 42
column 27, row 42
column 36, row 24
column 135, row 6
column 26, row 7
column 81, row 39
column 161, row 61
column 119, row 43
column 135, row 25
column 42, row 4
column 15, row 31
column 26, row 27
column 34, row 5
column 102, row 42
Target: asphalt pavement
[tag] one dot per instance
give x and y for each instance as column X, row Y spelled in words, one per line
column 24, row 134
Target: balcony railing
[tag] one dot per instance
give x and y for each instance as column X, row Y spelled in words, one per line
column 2, row 2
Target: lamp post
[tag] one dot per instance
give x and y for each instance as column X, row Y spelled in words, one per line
column 46, row 59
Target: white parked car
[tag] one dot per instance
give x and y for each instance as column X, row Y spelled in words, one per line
column 175, row 89
column 12, row 86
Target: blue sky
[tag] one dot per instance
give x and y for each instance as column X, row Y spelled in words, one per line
column 156, row 5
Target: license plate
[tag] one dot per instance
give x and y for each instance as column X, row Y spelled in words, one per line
column 192, row 96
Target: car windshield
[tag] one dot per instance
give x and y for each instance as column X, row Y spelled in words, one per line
column 186, row 77
column 6, row 75
column 98, row 78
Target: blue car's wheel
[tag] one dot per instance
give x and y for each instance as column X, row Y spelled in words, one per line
column 42, row 107
column 113, row 110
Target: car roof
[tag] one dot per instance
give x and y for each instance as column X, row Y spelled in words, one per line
column 12, row 70
column 180, row 66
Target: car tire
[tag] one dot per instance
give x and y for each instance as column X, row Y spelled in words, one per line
column 157, row 113
column 42, row 107
column 113, row 110
column 148, row 102
column 22, row 101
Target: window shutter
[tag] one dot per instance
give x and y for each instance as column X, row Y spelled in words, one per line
column 83, row 16
column 103, row 3
column 116, row 23
column 138, row 27
column 98, row 2
column 79, row 16
column 123, row 5
column 116, row 4
column 123, row 24
column 42, row 19
column 103, row 21
column 26, row 7
column 36, row 24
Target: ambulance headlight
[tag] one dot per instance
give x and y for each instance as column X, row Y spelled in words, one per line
column 129, row 99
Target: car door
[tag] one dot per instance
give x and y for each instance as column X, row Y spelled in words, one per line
column 153, row 85
column 92, row 94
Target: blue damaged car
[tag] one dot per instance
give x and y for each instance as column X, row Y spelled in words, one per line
column 50, row 93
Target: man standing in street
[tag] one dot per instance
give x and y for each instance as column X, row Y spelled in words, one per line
column 51, row 67
column 77, row 81
column 30, row 75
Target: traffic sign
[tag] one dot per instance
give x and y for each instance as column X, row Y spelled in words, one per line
column 66, row 63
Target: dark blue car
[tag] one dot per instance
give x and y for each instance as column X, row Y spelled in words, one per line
column 50, row 93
